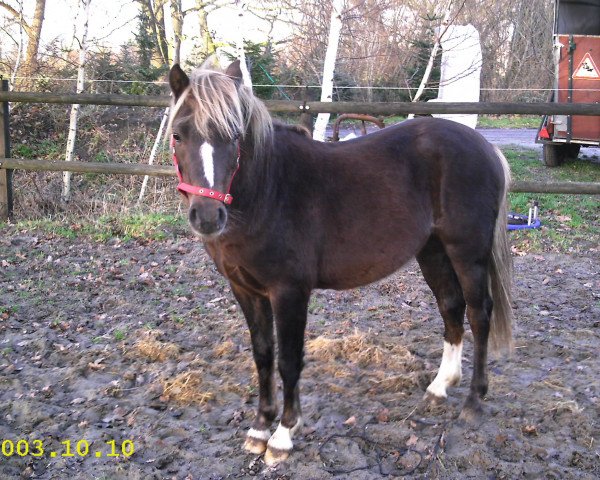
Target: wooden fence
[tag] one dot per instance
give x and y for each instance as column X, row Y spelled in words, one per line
column 7, row 164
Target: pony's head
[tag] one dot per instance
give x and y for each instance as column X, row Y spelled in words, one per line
column 214, row 120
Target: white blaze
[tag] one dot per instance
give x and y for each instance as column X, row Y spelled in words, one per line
column 206, row 153
column 450, row 371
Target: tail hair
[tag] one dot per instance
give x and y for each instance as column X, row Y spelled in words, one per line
column 501, row 274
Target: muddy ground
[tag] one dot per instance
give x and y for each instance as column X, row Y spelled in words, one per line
column 141, row 341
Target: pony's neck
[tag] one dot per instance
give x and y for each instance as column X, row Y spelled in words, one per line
column 255, row 186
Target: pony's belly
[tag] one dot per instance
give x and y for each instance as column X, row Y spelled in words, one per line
column 350, row 261
column 342, row 276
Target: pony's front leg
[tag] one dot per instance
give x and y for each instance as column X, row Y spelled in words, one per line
column 290, row 307
column 259, row 316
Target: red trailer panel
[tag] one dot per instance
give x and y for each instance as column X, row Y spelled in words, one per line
column 579, row 82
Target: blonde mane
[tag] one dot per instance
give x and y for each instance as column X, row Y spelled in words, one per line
column 220, row 106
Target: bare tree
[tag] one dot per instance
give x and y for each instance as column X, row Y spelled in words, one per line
column 434, row 52
column 33, row 31
column 239, row 44
column 516, row 37
column 208, row 46
column 83, row 45
column 335, row 31
column 177, row 22
column 154, row 10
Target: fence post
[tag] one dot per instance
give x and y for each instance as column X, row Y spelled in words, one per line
column 306, row 118
column 6, row 176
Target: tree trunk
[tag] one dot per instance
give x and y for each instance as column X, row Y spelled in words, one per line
column 335, row 30
column 66, row 193
column 20, row 47
column 33, row 31
column 208, row 44
column 33, row 44
column 434, row 52
column 239, row 45
column 155, row 13
column 161, row 35
column 177, row 22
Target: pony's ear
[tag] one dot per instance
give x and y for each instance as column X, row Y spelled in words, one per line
column 234, row 71
column 178, row 80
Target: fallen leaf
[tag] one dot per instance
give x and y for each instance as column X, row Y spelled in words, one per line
column 529, row 430
column 383, row 416
column 350, row 421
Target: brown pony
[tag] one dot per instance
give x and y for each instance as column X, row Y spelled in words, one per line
column 281, row 215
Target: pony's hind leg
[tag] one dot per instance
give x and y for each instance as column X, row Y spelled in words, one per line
column 259, row 316
column 290, row 307
column 441, row 278
column 473, row 276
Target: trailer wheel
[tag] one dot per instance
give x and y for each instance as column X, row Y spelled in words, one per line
column 573, row 150
column 553, row 155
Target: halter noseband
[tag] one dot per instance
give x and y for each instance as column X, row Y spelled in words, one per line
column 226, row 198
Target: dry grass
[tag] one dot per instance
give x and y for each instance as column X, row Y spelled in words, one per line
column 388, row 368
column 570, row 406
column 185, row 389
column 150, row 347
column 359, row 349
column 224, row 349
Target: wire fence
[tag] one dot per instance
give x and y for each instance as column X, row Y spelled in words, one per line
column 287, row 91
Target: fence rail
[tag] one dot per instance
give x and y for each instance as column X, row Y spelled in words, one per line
column 168, row 171
column 290, row 106
column 7, row 164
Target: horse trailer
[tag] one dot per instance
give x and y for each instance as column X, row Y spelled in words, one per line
column 576, row 39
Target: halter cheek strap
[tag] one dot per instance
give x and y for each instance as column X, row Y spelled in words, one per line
column 226, row 198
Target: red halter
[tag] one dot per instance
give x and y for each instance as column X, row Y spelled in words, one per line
column 226, row 198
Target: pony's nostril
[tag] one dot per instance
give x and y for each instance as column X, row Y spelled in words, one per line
column 194, row 217
column 221, row 216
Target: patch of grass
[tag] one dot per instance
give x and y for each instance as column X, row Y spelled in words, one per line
column 119, row 335
column 45, row 148
column 8, row 310
column 315, row 305
column 153, row 226
column 394, row 119
column 570, row 223
column 6, row 351
column 487, row 121
column 508, row 121
column 56, row 227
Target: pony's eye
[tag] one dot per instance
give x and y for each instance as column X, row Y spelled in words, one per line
column 176, row 137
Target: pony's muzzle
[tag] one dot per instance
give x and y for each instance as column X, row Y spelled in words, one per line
column 207, row 217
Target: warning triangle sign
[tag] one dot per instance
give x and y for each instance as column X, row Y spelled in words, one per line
column 587, row 69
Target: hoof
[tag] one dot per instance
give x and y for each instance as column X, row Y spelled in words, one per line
column 472, row 413
column 256, row 446
column 275, row 456
column 433, row 399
